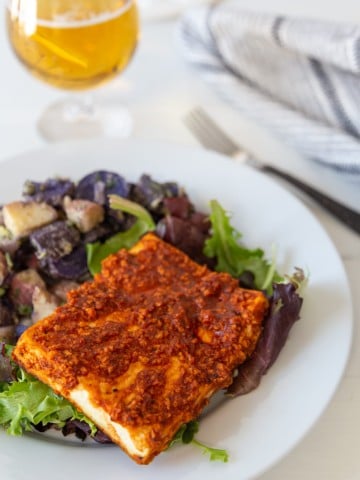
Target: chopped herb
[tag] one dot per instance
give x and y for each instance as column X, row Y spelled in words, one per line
column 186, row 435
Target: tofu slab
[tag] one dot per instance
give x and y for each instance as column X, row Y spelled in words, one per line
column 141, row 349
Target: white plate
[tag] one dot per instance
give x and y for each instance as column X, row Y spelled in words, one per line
column 257, row 429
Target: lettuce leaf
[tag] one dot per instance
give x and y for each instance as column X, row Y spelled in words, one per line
column 97, row 252
column 285, row 306
column 25, row 401
column 232, row 257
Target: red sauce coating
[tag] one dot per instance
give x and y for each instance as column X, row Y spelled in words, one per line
column 150, row 338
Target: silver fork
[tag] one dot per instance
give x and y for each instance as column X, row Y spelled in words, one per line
column 211, row 136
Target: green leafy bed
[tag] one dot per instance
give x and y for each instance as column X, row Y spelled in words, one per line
column 25, row 402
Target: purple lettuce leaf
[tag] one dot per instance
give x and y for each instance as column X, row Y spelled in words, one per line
column 284, row 310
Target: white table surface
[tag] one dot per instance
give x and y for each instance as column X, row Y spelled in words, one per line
column 159, row 89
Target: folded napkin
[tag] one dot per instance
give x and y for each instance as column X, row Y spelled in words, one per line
column 298, row 77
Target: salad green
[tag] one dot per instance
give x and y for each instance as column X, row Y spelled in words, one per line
column 234, row 258
column 96, row 252
column 25, row 401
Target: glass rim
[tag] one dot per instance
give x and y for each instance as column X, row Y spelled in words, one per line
column 62, row 22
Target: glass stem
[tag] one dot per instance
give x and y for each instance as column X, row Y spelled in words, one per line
column 80, row 109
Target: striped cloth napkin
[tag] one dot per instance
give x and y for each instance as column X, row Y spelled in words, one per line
column 298, row 77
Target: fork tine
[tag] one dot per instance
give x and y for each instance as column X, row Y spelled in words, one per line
column 208, row 133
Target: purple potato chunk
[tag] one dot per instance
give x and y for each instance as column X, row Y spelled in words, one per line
column 98, row 185
column 151, row 194
column 70, row 267
column 54, row 240
column 52, row 191
column 22, row 287
column 100, row 232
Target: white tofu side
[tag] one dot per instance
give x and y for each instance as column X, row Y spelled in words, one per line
column 123, row 437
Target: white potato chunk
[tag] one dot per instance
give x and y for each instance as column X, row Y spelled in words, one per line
column 8, row 243
column 44, row 303
column 62, row 288
column 21, row 218
column 85, row 215
column 4, row 270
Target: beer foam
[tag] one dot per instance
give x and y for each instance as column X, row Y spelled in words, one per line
column 67, row 20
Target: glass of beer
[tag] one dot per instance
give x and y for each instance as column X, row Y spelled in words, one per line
column 75, row 45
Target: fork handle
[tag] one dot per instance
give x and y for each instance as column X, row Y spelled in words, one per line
column 346, row 215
